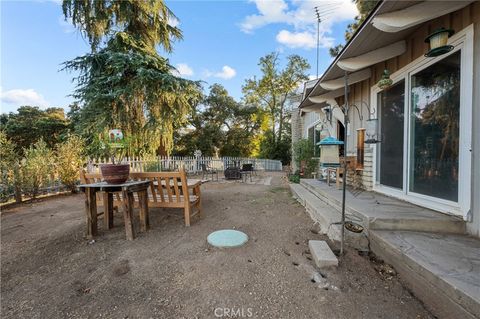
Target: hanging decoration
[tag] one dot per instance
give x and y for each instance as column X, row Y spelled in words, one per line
column 438, row 42
column 385, row 82
column 329, row 152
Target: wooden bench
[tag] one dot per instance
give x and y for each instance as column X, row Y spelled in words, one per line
column 166, row 190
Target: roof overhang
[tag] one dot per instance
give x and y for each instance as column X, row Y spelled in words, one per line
column 352, row 78
column 399, row 20
column 373, row 57
column 369, row 43
column 314, row 107
column 327, row 96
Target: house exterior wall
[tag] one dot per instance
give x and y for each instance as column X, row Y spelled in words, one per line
column 360, row 95
column 309, row 119
column 416, row 47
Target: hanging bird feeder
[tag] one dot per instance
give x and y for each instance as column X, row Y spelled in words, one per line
column 438, row 42
column 371, row 131
column 329, row 152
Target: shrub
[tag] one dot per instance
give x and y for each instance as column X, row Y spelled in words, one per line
column 70, row 159
column 304, row 153
column 295, row 178
column 9, row 170
column 36, row 168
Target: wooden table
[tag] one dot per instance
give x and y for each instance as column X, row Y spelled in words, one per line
column 127, row 189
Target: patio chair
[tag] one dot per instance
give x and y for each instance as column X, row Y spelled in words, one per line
column 206, row 170
column 247, row 170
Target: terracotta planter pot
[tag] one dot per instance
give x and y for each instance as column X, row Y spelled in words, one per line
column 115, row 173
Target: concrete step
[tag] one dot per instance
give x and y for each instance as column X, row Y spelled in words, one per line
column 328, row 218
column 318, row 210
column 376, row 211
column 443, row 270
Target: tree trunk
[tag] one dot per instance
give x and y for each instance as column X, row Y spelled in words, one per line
column 280, row 124
column 16, row 178
column 18, row 194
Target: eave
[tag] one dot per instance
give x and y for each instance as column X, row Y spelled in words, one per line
column 399, row 20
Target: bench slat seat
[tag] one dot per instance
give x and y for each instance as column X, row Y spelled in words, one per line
column 166, row 190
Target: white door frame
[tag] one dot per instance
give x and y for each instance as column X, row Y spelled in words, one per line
column 463, row 40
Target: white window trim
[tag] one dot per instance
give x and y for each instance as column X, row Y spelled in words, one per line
column 463, row 40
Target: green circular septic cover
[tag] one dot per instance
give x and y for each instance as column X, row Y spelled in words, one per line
column 227, row 238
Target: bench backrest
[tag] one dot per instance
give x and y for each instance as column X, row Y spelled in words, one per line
column 168, row 187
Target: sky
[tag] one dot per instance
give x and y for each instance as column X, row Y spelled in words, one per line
column 222, row 43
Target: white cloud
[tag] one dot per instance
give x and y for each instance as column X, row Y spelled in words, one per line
column 184, row 69
column 21, row 97
column 226, row 73
column 300, row 15
column 296, row 39
column 273, row 11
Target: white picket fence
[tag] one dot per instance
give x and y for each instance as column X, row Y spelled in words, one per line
column 191, row 164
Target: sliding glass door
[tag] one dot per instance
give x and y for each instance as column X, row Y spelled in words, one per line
column 425, row 128
column 434, row 129
column 391, row 104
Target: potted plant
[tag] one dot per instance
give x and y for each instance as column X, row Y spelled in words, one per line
column 115, row 148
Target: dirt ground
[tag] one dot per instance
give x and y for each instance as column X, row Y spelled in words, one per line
column 50, row 270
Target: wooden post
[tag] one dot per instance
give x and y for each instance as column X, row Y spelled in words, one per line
column 143, row 203
column 128, row 214
column 360, row 148
column 91, row 211
column 108, row 210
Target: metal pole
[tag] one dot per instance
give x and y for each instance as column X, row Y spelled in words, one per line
column 318, row 42
column 345, row 119
column 318, row 36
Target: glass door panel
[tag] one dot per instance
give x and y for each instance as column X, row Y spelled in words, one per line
column 434, row 129
column 391, row 104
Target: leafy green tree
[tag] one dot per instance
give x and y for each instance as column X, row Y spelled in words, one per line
column 69, row 159
column 272, row 92
column 37, row 168
column 124, row 82
column 9, row 169
column 220, row 125
column 145, row 23
column 30, row 124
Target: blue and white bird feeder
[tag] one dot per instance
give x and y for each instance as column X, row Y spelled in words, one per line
column 329, row 152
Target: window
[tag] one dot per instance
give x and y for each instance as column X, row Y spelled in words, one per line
column 315, row 135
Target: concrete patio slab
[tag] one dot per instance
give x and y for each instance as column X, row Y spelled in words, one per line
column 377, row 211
column 442, row 269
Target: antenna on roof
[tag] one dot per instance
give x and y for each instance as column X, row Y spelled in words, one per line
column 322, row 13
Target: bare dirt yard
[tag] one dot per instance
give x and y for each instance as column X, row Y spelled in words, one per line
column 50, row 270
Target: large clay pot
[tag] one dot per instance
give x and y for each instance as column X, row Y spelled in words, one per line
column 115, row 173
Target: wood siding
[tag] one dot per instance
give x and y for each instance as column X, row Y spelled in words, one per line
column 416, row 47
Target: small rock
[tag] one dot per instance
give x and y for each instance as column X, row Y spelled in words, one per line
column 335, row 288
column 315, row 228
column 322, row 282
